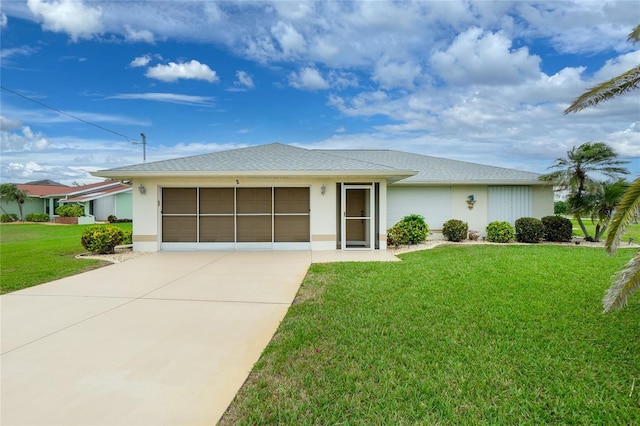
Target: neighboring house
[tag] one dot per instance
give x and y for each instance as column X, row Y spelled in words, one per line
column 283, row 197
column 99, row 199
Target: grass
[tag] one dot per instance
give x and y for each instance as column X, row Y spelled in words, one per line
column 633, row 231
column 32, row 254
column 454, row 335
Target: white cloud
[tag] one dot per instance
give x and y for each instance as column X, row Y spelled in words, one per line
column 243, row 82
column 290, row 40
column 173, row 71
column 69, row 16
column 7, row 124
column 174, row 98
column 25, row 140
column 3, row 20
column 134, row 36
column 308, row 79
column 393, row 74
column 477, row 57
column 17, row 51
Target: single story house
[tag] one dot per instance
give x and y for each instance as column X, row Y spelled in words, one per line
column 100, row 200
column 279, row 196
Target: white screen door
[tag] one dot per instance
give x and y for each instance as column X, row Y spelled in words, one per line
column 357, row 217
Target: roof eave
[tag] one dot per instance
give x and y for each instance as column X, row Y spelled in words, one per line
column 533, row 182
column 127, row 175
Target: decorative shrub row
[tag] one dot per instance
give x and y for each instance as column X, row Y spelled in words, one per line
column 410, row 229
column 37, row 217
column 113, row 219
column 455, row 230
column 8, row 217
column 70, row 210
column 101, row 239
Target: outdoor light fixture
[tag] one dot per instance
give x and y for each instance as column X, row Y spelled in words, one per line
column 471, row 200
column 142, row 189
column 323, row 189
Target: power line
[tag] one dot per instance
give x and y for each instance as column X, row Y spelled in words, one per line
column 65, row 113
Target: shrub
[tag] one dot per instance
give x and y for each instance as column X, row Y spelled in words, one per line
column 112, row 218
column 37, row 217
column 557, row 229
column 70, row 210
column 529, row 230
column 455, row 230
column 499, row 232
column 101, row 239
column 560, row 207
column 410, row 229
column 8, row 217
column 127, row 237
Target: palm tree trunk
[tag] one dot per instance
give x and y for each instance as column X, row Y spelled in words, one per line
column 584, row 228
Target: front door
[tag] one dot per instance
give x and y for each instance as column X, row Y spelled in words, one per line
column 357, row 217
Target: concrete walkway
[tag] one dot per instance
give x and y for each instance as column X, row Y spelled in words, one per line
column 163, row 339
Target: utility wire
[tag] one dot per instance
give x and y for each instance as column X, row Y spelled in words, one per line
column 65, row 113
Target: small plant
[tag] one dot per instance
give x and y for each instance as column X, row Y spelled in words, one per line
column 8, row 217
column 529, row 230
column 455, row 230
column 127, row 237
column 410, row 229
column 70, row 210
column 37, row 217
column 499, row 232
column 560, row 207
column 101, row 239
column 112, row 218
column 474, row 235
column 557, row 229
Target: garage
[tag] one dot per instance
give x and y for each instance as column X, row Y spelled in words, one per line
column 235, row 217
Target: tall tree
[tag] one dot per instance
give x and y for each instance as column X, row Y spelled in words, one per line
column 575, row 174
column 11, row 192
column 628, row 279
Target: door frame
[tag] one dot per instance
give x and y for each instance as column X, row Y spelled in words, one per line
column 371, row 217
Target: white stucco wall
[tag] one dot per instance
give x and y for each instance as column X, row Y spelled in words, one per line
column 476, row 217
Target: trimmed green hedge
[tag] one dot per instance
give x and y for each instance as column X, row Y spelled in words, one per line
column 37, row 217
column 499, row 232
column 455, row 230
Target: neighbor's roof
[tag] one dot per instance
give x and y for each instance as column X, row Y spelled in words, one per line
column 262, row 160
column 435, row 170
column 97, row 193
column 58, row 190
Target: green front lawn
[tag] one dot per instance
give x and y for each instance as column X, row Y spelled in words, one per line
column 455, row 335
column 31, row 254
column 632, row 231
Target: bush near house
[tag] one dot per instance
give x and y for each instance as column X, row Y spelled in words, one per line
column 499, row 232
column 455, row 230
column 113, row 219
column 37, row 217
column 410, row 229
column 529, row 230
column 127, row 237
column 557, row 229
column 560, row 207
column 70, row 210
column 101, row 239
column 8, row 217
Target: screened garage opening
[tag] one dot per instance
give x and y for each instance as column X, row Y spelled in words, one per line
column 235, row 218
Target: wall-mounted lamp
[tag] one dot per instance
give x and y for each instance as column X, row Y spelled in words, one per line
column 471, row 200
column 323, row 189
column 142, row 189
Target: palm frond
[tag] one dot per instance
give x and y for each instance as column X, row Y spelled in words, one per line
column 605, row 91
column 627, row 209
column 626, row 283
column 634, row 36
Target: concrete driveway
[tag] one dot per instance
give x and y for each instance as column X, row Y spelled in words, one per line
column 166, row 338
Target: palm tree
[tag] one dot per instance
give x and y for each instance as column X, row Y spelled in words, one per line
column 574, row 174
column 603, row 204
column 11, row 192
column 628, row 279
column 617, row 86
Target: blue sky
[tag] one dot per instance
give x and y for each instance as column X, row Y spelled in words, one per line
column 476, row 81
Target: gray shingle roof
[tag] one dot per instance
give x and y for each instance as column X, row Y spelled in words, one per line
column 277, row 159
column 439, row 170
column 261, row 159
